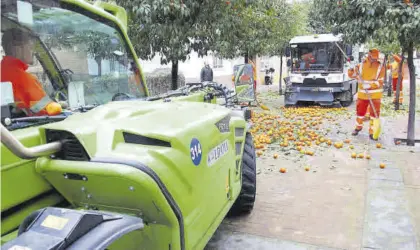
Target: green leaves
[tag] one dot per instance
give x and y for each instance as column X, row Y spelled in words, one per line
column 380, row 20
column 259, row 28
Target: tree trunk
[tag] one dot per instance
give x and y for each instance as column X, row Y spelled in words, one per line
column 397, row 95
column 390, row 85
column 412, row 107
column 174, row 75
column 99, row 62
column 246, row 56
column 281, row 73
column 386, row 82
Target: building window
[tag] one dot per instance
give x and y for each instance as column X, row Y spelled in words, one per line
column 217, row 62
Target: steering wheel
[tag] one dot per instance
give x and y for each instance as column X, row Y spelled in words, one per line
column 121, row 97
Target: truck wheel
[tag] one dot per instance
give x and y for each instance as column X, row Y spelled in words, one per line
column 245, row 201
column 348, row 97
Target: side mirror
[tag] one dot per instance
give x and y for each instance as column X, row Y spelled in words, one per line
column 289, row 62
column 287, row 52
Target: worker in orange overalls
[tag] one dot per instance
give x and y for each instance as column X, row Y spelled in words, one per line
column 308, row 58
column 394, row 69
column 28, row 93
column 370, row 74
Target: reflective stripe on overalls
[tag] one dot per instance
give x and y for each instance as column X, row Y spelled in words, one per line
column 375, row 82
column 40, row 105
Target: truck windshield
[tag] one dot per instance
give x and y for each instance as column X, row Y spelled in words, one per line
column 316, row 57
column 85, row 50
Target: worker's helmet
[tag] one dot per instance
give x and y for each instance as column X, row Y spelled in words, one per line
column 374, row 53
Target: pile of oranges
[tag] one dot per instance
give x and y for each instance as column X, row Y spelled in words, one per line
column 295, row 129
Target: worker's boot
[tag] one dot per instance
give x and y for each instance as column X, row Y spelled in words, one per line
column 356, row 132
column 371, row 137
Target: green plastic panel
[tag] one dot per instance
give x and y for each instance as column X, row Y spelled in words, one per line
column 19, row 181
column 116, row 188
column 203, row 193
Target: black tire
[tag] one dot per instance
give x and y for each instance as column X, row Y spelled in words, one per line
column 348, row 102
column 246, row 199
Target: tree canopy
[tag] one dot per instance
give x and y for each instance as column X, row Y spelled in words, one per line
column 258, row 28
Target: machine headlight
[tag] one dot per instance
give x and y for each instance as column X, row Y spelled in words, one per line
column 335, row 78
column 296, row 79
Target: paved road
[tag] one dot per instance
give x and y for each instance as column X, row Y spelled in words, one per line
column 341, row 203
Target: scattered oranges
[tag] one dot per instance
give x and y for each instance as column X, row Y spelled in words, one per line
column 382, row 165
column 353, row 155
column 347, row 141
column 307, row 168
column 361, row 156
column 275, row 156
column 368, row 157
column 282, row 170
column 378, row 145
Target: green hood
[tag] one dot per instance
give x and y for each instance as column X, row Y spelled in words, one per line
column 100, row 130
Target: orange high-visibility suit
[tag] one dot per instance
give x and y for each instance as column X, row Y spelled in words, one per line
column 308, row 58
column 394, row 70
column 372, row 73
column 29, row 95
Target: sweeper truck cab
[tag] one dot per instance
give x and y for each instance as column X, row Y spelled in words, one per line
column 317, row 66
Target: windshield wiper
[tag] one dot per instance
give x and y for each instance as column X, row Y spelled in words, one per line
column 38, row 118
column 24, row 122
column 85, row 108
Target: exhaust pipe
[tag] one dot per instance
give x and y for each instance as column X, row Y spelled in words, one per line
column 17, row 148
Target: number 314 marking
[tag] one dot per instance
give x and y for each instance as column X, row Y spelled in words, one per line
column 195, row 151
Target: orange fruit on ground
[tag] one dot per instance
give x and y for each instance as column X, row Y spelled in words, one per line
column 351, row 147
column 259, row 153
column 382, row 165
column 275, row 156
column 282, row 170
column 361, row 156
column 378, row 145
column 307, row 168
column 347, row 140
column 368, row 157
column 353, row 155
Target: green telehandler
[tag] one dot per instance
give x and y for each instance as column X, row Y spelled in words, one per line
column 117, row 168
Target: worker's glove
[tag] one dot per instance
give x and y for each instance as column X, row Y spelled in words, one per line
column 366, row 86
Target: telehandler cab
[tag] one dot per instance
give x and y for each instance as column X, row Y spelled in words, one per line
column 117, row 169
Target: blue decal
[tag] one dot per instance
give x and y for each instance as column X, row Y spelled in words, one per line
column 195, row 151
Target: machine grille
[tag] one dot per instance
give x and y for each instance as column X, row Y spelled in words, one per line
column 72, row 149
